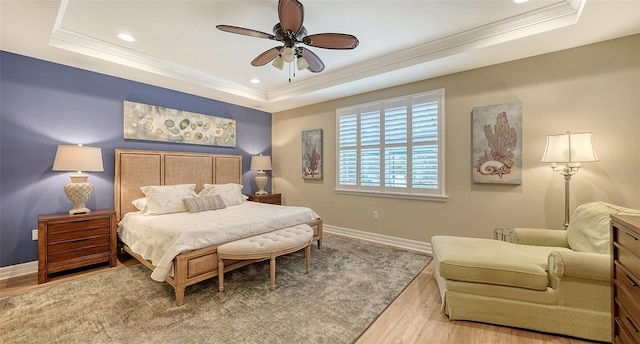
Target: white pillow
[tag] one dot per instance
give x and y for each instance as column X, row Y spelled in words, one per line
column 231, row 193
column 140, row 203
column 165, row 199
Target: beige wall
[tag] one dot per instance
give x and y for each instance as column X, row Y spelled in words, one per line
column 591, row 88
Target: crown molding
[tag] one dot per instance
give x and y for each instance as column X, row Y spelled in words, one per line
column 541, row 20
column 548, row 18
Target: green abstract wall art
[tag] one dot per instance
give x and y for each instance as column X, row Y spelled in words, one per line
column 157, row 123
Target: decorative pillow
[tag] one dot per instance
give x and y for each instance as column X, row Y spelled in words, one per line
column 165, row 199
column 140, row 203
column 589, row 227
column 198, row 204
column 231, row 193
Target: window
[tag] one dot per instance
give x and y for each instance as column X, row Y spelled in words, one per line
column 392, row 148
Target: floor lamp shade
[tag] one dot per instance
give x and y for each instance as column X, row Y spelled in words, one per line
column 569, row 149
column 261, row 163
column 78, row 158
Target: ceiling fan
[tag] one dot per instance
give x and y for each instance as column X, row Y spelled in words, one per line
column 291, row 32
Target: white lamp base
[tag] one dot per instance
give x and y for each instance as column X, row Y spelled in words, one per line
column 261, row 182
column 78, row 194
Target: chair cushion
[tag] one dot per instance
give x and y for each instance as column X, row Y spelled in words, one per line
column 589, row 229
column 492, row 261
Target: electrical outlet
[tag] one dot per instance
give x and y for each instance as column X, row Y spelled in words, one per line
column 376, row 216
column 34, row 234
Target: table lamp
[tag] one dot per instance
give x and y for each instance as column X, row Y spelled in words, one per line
column 261, row 163
column 78, row 158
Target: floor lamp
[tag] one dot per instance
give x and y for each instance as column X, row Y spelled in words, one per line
column 569, row 149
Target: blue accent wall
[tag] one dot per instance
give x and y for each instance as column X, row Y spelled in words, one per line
column 43, row 104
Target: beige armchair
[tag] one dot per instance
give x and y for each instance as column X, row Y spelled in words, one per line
column 546, row 280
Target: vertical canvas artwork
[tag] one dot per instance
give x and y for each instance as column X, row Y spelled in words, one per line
column 157, row 123
column 497, row 143
column 312, row 154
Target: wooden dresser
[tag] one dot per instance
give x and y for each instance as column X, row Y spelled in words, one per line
column 271, row 198
column 71, row 241
column 625, row 281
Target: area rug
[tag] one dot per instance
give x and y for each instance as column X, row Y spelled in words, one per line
column 351, row 282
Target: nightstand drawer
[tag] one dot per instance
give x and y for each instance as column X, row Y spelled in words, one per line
column 92, row 246
column 78, row 244
column 83, row 225
column 77, row 234
column 270, row 199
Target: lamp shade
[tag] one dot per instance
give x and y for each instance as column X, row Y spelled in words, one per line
column 78, row 158
column 302, row 63
column 569, row 148
column 261, row 162
column 278, row 62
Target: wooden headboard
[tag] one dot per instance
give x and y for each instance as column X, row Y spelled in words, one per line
column 137, row 168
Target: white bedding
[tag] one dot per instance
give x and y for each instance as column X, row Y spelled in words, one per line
column 159, row 238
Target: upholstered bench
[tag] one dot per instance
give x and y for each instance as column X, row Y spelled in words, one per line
column 268, row 245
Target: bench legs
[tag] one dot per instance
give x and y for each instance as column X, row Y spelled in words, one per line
column 307, row 257
column 220, row 275
column 272, row 268
column 272, row 272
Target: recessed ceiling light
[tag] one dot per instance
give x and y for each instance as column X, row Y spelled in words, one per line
column 255, row 81
column 519, row 1
column 126, row 37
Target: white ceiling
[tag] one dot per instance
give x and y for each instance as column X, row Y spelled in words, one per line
column 178, row 46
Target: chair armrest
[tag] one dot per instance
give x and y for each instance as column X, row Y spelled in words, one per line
column 586, row 265
column 539, row 237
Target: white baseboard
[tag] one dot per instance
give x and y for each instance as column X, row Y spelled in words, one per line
column 379, row 238
column 18, row 270
column 32, row 267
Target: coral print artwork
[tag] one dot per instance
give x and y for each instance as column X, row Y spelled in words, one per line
column 497, row 143
column 312, row 154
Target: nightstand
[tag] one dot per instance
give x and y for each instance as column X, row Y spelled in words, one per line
column 72, row 241
column 271, row 198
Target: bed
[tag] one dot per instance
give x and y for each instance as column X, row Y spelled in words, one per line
column 138, row 168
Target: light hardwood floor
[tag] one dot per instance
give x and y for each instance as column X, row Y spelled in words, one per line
column 414, row 317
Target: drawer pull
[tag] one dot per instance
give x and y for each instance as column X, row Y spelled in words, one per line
column 631, row 281
column 632, row 237
column 635, row 328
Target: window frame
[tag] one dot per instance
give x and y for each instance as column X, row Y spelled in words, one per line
column 381, row 190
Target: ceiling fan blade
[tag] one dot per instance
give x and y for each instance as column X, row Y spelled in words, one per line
column 291, row 14
column 245, row 31
column 315, row 64
column 266, row 57
column 331, row 41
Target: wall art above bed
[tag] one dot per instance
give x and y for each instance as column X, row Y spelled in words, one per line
column 157, row 123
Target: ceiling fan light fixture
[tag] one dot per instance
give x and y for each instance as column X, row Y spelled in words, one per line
column 302, row 63
column 288, row 55
column 278, row 62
